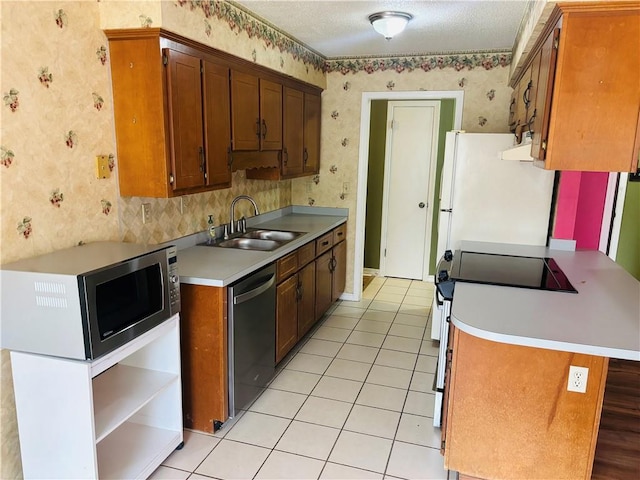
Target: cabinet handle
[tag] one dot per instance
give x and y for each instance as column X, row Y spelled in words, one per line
column 325, row 243
column 531, row 121
column 285, row 156
column 258, row 127
column 201, row 154
column 299, row 291
column 525, row 95
column 305, row 156
column 264, row 129
column 512, row 110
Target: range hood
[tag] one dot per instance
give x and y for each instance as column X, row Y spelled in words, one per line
column 520, row 152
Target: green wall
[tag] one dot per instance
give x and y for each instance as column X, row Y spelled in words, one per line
column 375, row 179
column 375, row 183
column 628, row 255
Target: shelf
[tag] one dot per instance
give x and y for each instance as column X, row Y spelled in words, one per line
column 135, row 451
column 121, row 391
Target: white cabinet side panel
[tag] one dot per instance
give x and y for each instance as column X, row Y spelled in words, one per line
column 54, row 406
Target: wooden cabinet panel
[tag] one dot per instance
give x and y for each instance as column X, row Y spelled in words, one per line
column 293, row 145
column 324, row 243
column 306, row 254
column 312, row 114
column 510, row 414
column 245, row 111
column 339, row 233
column 324, row 280
column 270, row 115
column 217, row 123
column 339, row 270
column 203, row 347
column 287, row 266
column 286, row 316
column 306, row 303
column 185, row 111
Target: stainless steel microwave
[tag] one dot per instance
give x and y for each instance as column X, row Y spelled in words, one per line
column 85, row 301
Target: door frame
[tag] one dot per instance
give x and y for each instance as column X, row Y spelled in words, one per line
column 612, row 214
column 363, row 162
column 430, row 193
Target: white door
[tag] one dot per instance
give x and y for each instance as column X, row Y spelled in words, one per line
column 410, row 159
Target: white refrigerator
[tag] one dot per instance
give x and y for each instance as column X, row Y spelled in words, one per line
column 485, row 198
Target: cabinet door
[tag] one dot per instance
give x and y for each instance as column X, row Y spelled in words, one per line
column 548, row 56
column 245, row 115
column 270, row 115
column 523, row 102
column 311, row 154
column 323, row 283
column 185, row 111
column 217, row 124
column 292, row 145
column 339, row 270
column 286, row 316
column 306, row 303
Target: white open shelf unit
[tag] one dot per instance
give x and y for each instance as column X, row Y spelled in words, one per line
column 117, row 417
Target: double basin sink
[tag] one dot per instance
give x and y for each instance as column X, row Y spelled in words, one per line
column 256, row 239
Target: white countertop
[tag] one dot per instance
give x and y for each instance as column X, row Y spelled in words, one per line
column 219, row 267
column 602, row 319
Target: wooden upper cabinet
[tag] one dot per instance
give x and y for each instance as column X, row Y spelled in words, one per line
column 185, row 112
column 270, row 115
column 217, row 124
column 311, row 152
column 256, row 112
column 171, row 110
column 293, row 144
column 587, row 115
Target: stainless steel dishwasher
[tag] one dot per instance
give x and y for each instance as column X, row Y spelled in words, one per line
column 252, row 336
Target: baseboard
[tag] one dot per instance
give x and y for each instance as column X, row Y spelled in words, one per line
column 349, row 296
column 371, row 271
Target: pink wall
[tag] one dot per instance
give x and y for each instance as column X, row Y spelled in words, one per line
column 579, row 207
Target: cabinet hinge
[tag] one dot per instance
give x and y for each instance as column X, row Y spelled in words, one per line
column 442, row 444
column 171, row 179
column 543, row 146
column 556, row 43
column 165, row 59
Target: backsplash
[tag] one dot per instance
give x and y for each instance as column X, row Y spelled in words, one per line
column 168, row 223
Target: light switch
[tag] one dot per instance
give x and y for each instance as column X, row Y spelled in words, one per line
column 102, row 166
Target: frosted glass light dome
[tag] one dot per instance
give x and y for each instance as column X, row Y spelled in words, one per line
column 389, row 24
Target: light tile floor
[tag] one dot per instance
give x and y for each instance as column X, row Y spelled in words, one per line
column 352, row 401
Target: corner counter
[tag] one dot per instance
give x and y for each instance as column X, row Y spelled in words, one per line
column 602, row 319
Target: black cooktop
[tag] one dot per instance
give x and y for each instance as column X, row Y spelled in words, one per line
column 540, row 273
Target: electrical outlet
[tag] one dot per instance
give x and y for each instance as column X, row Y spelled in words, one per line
column 146, row 212
column 183, row 205
column 577, row 379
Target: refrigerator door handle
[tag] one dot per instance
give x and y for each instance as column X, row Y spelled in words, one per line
column 446, row 210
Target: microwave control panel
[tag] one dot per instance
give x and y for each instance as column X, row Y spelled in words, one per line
column 174, row 280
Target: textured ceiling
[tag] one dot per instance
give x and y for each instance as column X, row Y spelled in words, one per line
column 336, row 28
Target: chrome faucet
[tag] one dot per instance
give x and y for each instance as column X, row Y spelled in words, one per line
column 232, row 227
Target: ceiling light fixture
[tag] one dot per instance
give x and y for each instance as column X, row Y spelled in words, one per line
column 389, row 24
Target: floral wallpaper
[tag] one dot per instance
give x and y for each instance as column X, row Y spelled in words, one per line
column 57, row 117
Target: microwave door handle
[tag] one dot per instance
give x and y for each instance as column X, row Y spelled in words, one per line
column 244, row 297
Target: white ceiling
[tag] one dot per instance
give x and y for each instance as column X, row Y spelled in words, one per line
column 337, row 28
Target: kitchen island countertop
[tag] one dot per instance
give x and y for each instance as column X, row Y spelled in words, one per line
column 220, row 267
column 602, row 319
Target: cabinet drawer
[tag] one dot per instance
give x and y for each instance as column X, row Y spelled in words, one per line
column 324, row 243
column 339, row 233
column 306, row 254
column 287, row 266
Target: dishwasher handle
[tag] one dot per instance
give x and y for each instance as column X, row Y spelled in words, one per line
column 260, row 289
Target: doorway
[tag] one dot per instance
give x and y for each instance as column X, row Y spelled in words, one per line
column 368, row 98
column 410, row 165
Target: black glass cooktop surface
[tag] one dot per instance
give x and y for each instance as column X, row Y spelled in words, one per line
column 541, row 273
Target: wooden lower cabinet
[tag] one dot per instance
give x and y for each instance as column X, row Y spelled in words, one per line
column 339, row 274
column 287, row 294
column 323, row 284
column 307, row 303
column 510, row 414
column 203, row 345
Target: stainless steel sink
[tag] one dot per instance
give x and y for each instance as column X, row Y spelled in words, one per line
column 249, row 244
column 259, row 239
column 277, row 235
